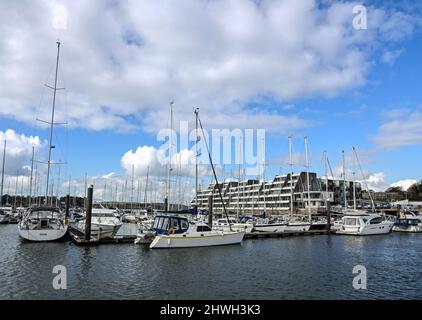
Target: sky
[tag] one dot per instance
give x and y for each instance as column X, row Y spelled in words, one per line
column 292, row 68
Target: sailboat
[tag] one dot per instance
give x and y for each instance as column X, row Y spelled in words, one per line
column 295, row 224
column 359, row 222
column 45, row 223
column 179, row 232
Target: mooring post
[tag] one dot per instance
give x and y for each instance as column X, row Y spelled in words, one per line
column 67, row 206
column 210, row 211
column 166, row 200
column 328, row 225
column 88, row 214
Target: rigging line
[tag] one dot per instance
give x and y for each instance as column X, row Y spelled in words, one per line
column 213, row 170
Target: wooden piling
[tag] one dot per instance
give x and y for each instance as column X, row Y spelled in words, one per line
column 210, row 205
column 67, row 206
column 88, row 214
column 328, row 225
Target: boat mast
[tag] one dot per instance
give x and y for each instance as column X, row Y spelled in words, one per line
column 291, row 176
column 196, row 159
column 354, row 185
column 326, row 172
column 307, row 177
column 146, row 189
column 2, row 173
column 51, row 146
column 364, row 179
column 344, row 180
column 170, row 154
column 131, row 191
column 238, row 185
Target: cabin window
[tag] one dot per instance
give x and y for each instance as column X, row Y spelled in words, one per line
column 376, row 220
column 203, row 228
column 184, row 224
column 350, row 221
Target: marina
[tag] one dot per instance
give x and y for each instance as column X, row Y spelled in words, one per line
column 210, row 150
column 315, row 267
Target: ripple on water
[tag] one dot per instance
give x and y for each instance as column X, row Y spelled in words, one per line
column 318, row 267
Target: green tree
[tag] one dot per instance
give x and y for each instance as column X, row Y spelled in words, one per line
column 415, row 191
column 395, row 189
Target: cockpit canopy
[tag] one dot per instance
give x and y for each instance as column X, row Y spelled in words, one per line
column 170, row 224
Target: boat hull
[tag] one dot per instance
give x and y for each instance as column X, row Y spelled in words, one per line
column 40, row 235
column 367, row 230
column 270, row 227
column 410, row 229
column 297, row 227
column 101, row 231
column 175, row 241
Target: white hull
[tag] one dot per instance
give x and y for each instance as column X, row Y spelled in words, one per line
column 100, row 230
column 297, row 226
column 382, row 228
column 237, row 227
column 410, row 229
column 179, row 241
column 43, row 235
column 270, row 227
column 4, row 219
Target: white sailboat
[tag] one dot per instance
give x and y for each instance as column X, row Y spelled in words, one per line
column 179, row 232
column 43, row 223
column 295, row 224
column 231, row 224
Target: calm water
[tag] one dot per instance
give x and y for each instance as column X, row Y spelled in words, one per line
column 317, row 267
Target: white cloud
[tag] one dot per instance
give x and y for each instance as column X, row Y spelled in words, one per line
column 401, row 128
column 375, row 181
column 19, row 151
column 124, row 65
column 405, row 183
column 155, row 160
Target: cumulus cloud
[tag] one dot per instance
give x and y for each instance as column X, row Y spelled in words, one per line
column 404, row 184
column 19, row 151
column 400, row 128
column 122, row 67
column 156, row 161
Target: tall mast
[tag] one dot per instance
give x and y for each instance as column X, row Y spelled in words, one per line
column 131, row 193
column 291, row 176
column 146, row 189
column 2, row 173
column 326, row 172
column 364, row 179
column 238, row 184
column 30, row 179
column 16, row 187
column 170, row 154
column 52, row 122
column 344, row 180
column 307, row 177
column 196, row 159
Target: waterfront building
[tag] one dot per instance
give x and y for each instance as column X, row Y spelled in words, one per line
column 255, row 196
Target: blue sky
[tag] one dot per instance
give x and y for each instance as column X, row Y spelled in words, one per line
column 291, row 68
